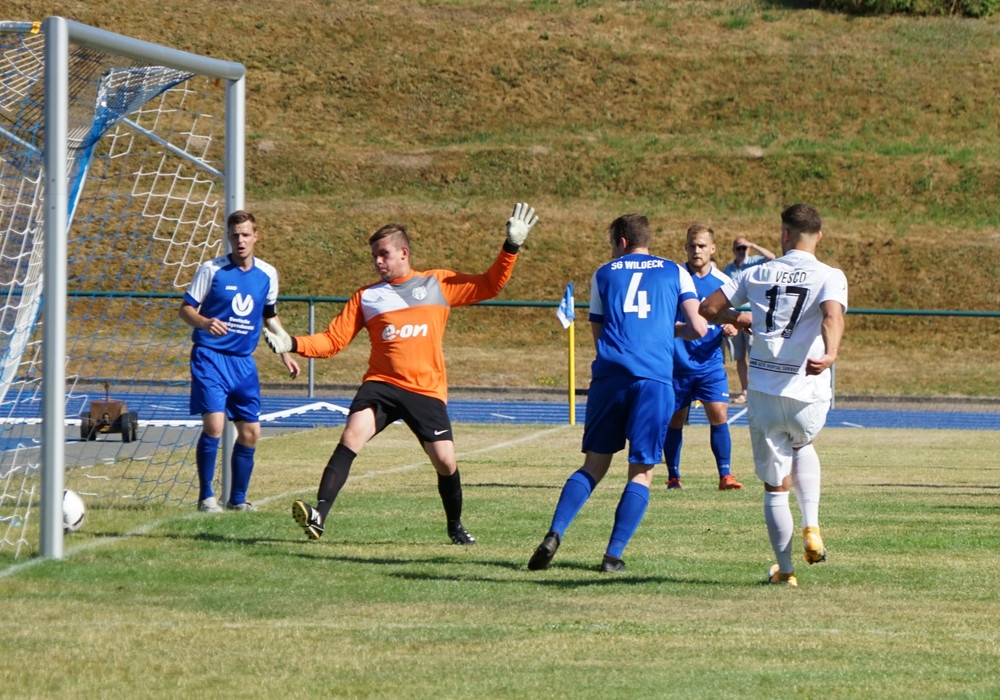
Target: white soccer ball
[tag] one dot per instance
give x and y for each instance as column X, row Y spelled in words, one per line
column 73, row 511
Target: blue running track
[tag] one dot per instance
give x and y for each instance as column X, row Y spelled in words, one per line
column 303, row 412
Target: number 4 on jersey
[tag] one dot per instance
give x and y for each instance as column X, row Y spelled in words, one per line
column 635, row 299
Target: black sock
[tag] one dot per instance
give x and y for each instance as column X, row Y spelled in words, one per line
column 334, row 478
column 450, row 488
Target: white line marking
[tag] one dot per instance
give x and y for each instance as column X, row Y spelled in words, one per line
column 299, row 410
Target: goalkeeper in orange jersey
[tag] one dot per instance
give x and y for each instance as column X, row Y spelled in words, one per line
column 405, row 315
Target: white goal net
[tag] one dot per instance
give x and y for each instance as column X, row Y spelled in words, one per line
column 147, row 201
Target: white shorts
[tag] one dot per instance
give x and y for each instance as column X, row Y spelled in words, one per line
column 779, row 425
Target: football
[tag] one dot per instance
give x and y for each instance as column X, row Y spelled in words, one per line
column 73, row 511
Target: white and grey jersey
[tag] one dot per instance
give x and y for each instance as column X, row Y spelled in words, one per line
column 784, row 297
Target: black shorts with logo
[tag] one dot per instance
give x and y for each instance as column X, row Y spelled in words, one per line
column 426, row 416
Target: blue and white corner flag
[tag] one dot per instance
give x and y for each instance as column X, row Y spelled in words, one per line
column 566, row 311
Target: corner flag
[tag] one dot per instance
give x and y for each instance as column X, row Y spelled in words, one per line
column 566, row 312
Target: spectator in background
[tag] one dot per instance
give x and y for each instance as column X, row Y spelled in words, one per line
column 739, row 344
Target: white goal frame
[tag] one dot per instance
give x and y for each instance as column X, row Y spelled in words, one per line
column 59, row 33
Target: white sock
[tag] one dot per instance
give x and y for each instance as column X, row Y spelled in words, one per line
column 806, row 482
column 780, row 527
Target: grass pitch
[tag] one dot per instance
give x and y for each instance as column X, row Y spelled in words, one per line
column 383, row 606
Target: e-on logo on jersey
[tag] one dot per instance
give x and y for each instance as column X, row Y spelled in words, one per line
column 410, row 330
column 242, row 305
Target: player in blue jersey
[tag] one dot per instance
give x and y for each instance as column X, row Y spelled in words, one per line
column 699, row 372
column 229, row 299
column 636, row 303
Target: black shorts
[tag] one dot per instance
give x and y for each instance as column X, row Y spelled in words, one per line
column 426, row 416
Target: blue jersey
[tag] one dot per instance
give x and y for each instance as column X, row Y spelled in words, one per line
column 637, row 300
column 704, row 355
column 237, row 297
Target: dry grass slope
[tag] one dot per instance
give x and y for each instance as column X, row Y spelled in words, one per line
column 443, row 113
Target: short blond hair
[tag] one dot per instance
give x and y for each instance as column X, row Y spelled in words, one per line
column 695, row 229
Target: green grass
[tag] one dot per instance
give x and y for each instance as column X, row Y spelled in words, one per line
column 243, row 604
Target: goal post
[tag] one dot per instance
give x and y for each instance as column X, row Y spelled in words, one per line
column 113, row 146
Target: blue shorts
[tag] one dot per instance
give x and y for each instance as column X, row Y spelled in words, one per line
column 711, row 387
column 624, row 408
column 221, row 382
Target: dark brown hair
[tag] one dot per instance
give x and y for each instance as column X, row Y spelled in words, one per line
column 634, row 228
column 238, row 217
column 396, row 231
column 801, row 218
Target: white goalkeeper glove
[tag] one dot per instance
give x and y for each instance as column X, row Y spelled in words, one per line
column 279, row 340
column 520, row 223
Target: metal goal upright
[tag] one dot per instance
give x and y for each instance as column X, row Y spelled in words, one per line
column 180, row 215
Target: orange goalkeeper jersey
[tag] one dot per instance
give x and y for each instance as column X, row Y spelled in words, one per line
column 405, row 320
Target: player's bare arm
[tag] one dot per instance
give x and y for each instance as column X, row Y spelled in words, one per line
column 190, row 316
column 595, row 331
column 717, row 309
column 695, row 326
column 833, row 332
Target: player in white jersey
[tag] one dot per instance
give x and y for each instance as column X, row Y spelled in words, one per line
column 797, row 307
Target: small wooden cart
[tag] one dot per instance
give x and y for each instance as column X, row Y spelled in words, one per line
column 109, row 416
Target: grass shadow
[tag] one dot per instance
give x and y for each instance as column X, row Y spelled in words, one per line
column 516, row 486
column 594, row 578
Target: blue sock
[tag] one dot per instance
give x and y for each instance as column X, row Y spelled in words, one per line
column 628, row 515
column 575, row 493
column 672, row 452
column 242, row 468
column 205, row 454
column 722, row 447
